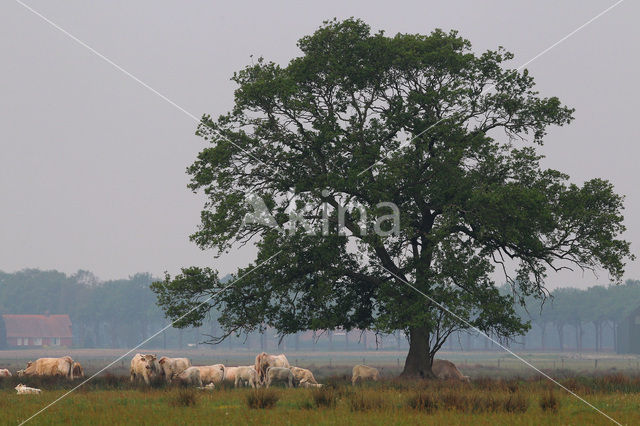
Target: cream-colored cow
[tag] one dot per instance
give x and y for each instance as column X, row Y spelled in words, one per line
column 211, row 373
column 49, row 367
column 444, row 369
column 279, row 374
column 4, row 372
column 190, row 376
column 246, row 376
column 264, row 361
column 173, row 366
column 24, row 390
column 302, row 375
column 145, row 366
column 361, row 373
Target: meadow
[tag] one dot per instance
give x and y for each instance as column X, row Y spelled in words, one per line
column 113, row 400
column 502, row 391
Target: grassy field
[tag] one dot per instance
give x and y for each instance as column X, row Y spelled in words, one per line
column 503, row 391
column 111, row 400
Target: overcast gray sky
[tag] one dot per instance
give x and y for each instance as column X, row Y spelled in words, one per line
column 92, row 164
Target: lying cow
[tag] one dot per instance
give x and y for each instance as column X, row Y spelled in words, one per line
column 211, row 374
column 361, row 373
column 145, row 367
column 444, row 369
column 306, row 384
column 279, row 374
column 24, row 390
column 190, row 376
column 302, row 374
column 246, row 376
column 173, row 366
column 209, row 387
column 4, row 372
column 264, row 361
column 78, row 372
column 49, row 367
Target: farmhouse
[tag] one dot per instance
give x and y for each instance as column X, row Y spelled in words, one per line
column 23, row 331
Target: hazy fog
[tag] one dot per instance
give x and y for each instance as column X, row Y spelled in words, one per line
column 92, row 164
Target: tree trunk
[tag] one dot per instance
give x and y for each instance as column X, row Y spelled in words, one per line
column 418, row 362
column 561, row 336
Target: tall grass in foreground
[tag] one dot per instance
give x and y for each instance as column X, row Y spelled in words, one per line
column 262, row 398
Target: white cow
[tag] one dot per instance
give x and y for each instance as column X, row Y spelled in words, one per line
column 364, row 372
column 145, row 367
column 211, row 373
column 302, row 374
column 444, row 369
column 306, row 384
column 173, row 366
column 4, row 372
column 279, row 374
column 24, row 390
column 264, row 361
column 246, row 376
column 190, row 376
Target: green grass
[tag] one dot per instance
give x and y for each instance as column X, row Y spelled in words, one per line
column 113, row 401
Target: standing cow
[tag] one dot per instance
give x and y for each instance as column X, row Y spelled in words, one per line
column 146, row 367
column 49, row 367
column 361, row 373
column 279, row 374
column 173, row 366
column 246, row 376
column 264, row 361
column 78, row 372
column 211, row 373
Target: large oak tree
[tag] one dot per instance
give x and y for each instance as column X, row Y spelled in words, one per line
column 453, row 138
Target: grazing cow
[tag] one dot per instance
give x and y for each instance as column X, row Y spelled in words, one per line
column 78, row 372
column 173, row 366
column 302, row 374
column 4, row 372
column 279, row 374
column 210, row 374
column 49, row 367
column 190, row 376
column 24, row 390
column 246, row 376
column 364, row 372
column 145, row 367
column 264, row 361
column 444, row 369
column 306, row 384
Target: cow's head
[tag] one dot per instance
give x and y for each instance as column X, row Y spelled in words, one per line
column 20, row 386
column 29, row 364
column 20, row 373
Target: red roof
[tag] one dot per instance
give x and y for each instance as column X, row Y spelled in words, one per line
column 37, row 325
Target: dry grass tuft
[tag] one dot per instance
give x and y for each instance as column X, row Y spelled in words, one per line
column 185, row 397
column 549, row 402
column 262, row 398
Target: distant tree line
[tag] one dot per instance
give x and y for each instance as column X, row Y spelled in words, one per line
column 122, row 313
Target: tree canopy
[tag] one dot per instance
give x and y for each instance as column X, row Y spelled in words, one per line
column 448, row 136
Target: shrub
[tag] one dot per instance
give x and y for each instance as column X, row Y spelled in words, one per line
column 324, row 397
column 262, row 398
column 184, row 398
column 422, row 401
column 549, row 402
column 516, row 403
column 364, row 401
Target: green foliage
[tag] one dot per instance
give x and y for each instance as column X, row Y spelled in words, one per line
column 469, row 185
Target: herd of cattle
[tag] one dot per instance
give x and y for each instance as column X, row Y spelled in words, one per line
column 267, row 370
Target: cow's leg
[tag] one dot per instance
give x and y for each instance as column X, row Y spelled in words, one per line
column 133, row 375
